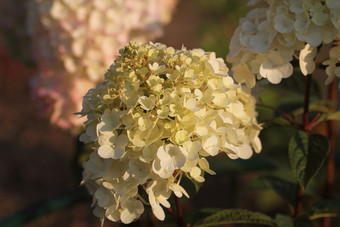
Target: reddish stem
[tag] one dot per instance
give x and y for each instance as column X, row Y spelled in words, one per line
column 152, row 220
column 305, row 127
column 331, row 129
column 172, row 213
column 315, row 119
column 180, row 221
column 330, row 158
column 298, row 205
column 279, row 111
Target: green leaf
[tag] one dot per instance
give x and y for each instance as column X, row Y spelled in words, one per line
column 197, row 185
column 224, row 165
column 203, row 213
column 318, row 106
column 50, row 205
column 306, row 155
column 278, row 121
column 327, row 115
column 304, row 221
column 194, row 182
column 285, row 189
column 283, row 221
column 324, row 208
column 296, row 84
column 234, row 216
column 333, row 116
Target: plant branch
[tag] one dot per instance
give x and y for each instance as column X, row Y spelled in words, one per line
column 172, row 213
column 179, row 209
column 305, row 127
column 279, row 111
column 152, row 221
column 298, row 205
column 314, row 122
column 331, row 129
column 317, row 216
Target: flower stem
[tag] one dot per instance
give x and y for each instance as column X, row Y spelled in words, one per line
column 305, row 127
column 152, row 221
column 298, row 206
column 279, row 111
column 179, row 209
column 331, row 128
column 172, row 214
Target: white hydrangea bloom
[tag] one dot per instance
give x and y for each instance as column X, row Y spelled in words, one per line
column 274, row 68
column 171, row 157
column 306, row 59
column 74, row 41
column 268, row 37
column 131, row 210
column 158, row 114
column 114, row 150
column 332, row 63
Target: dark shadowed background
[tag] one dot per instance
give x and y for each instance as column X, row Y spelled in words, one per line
column 37, row 161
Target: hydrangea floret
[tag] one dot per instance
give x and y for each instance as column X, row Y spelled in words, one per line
column 156, row 118
column 276, row 32
column 74, row 41
column 332, row 63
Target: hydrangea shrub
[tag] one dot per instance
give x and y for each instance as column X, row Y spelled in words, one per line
column 276, row 32
column 156, row 118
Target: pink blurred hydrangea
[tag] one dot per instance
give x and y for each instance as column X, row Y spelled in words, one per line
column 75, row 41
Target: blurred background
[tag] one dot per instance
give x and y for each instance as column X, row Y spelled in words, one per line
column 39, row 171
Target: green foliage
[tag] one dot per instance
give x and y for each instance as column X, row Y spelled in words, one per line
column 285, row 189
column 317, row 106
column 224, row 165
column 287, row 221
column 213, row 32
column 307, row 153
column 328, row 114
column 278, row 121
column 296, row 84
column 304, row 221
column 203, row 213
column 191, row 186
column 283, row 221
column 319, row 111
column 324, row 208
column 333, row 116
column 232, row 216
column 196, row 184
column 45, row 207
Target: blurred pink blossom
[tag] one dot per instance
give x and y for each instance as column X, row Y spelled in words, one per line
column 75, row 41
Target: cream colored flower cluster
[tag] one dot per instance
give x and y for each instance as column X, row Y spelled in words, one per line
column 76, row 40
column 269, row 36
column 333, row 62
column 157, row 116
